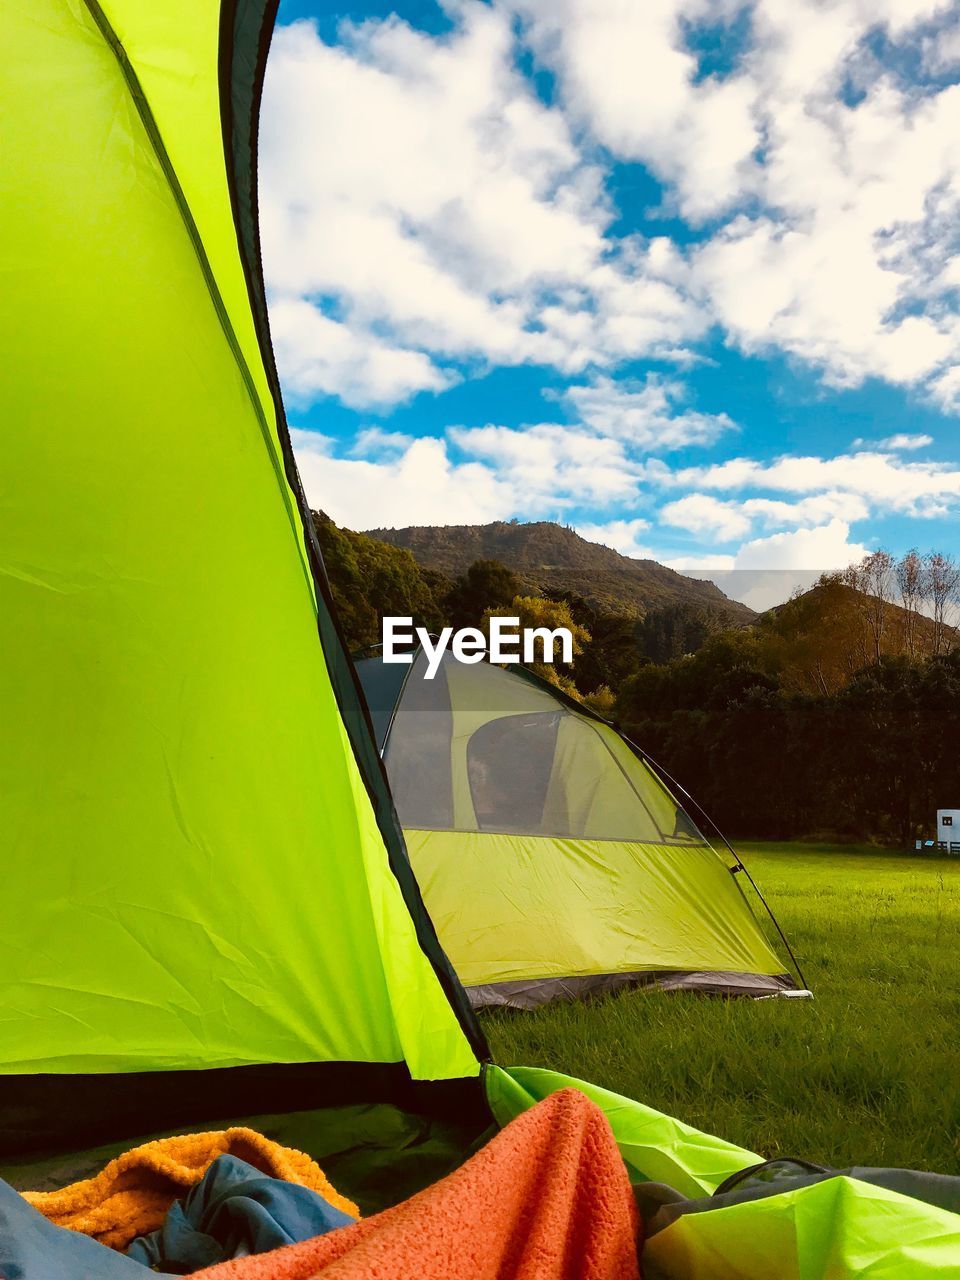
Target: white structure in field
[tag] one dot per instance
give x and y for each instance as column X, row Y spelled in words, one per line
column 948, row 829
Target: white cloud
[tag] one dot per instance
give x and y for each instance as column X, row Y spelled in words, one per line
column 884, row 481
column 319, row 356
column 550, row 463
column 763, row 572
column 626, row 74
column 419, row 184
column 621, row 535
column 843, row 259
column 701, row 513
column 646, row 416
column 421, row 485
column 901, row 442
column 941, row 53
column 541, row 469
column 945, row 389
column 469, row 477
column 426, row 216
column 832, row 504
column 819, row 549
column 766, row 571
column 379, row 442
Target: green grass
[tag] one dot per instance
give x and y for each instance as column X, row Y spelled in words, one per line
column 867, row 1073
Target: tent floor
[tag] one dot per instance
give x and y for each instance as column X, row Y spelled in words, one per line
column 529, row 993
column 377, row 1153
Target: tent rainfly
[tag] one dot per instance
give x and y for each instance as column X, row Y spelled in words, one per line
column 552, row 859
column 207, row 911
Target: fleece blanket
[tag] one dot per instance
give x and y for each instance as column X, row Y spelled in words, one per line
column 547, row 1199
column 131, row 1196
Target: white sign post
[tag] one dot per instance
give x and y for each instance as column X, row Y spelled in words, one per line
column 948, row 830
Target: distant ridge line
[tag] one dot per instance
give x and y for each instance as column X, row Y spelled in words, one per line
column 546, row 555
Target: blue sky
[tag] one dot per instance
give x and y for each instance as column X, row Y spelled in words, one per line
column 682, row 274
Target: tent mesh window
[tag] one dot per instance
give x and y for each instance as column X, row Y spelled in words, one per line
column 478, row 748
column 509, row 767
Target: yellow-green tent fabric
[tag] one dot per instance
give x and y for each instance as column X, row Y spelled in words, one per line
column 199, row 844
column 552, row 859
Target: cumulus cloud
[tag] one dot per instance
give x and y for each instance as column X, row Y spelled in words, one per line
column 469, row 477
column 319, row 356
column 545, row 468
column 419, row 187
column 883, row 481
column 902, row 441
column 420, row 483
column 547, row 461
column 832, row 184
column 427, row 217
column 766, row 571
column 941, row 52
column 621, row 535
column 648, row 416
column 626, row 74
column 762, row 572
column 824, row 547
column 726, row 520
column 701, row 513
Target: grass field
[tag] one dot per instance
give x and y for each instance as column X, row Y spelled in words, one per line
column 868, row 1073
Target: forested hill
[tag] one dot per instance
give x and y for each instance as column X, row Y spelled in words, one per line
column 548, row 557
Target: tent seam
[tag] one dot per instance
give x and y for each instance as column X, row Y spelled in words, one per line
column 152, row 130
column 342, row 674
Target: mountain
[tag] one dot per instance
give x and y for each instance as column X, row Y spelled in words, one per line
column 549, row 556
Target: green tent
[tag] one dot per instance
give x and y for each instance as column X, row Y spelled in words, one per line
column 552, row 859
column 207, row 910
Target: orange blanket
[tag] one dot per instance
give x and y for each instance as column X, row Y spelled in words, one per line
column 547, row 1199
column 132, row 1194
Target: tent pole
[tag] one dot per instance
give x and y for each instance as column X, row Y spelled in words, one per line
column 400, row 692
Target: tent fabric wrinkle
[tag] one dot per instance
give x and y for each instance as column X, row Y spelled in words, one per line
column 178, row 766
column 837, row 1227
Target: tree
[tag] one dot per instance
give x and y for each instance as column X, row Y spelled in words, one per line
column 675, row 629
column 487, row 584
column 602, row 701
column 370, row 580
column 909, row 576
column 612, row 652
column 540, row 611
column 871, row 579
column 817, row 640
column 941, row 577
column 872, row 759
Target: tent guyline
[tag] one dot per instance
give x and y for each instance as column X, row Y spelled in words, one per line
column 740, row 864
